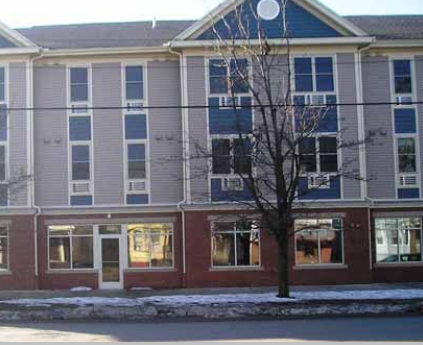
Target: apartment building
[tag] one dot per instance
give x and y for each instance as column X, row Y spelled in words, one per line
column 95, row 122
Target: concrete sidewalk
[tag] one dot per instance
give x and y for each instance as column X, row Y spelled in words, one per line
column 43, row 294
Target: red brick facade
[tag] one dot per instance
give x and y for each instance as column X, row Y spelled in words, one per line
column 359, row 266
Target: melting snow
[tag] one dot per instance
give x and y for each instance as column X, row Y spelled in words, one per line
column 399, row 294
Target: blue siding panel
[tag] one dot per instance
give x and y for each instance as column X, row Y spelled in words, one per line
column 86, row 200
column 408, row 193
column 301, row 24
column 136, row 126
column 5, row 43
column 217, row 195
column 333, row 193
column 405, row 121
column 80, row 128
column 140, row 199
column 230, row 121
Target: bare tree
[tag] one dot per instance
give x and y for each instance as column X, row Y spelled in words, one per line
column 273, row 157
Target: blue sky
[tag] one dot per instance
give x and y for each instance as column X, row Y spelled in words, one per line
column 24, row 13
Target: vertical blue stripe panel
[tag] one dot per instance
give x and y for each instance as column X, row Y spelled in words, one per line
column 405, row 121
column 79, row 128
column 136, row 126
column 85, row 200
column 230, row 121
column 333, row 193
column 217, row 195
column 301, row 23
column 408, row 193
column 140, row 199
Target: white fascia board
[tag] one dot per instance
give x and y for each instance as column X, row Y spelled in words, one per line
column 105, row 51
column 398, row 43
column 20, row 51
column 281, row 42
column 15, row 36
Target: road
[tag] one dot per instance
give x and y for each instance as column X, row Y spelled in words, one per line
column 357, row 329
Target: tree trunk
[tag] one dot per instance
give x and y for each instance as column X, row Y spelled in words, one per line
column 283, row 272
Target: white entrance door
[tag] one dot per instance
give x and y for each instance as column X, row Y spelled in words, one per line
column 111, row 272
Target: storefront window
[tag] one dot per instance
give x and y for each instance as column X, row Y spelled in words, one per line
column 319, row 242
column 150, row 246
column 4, row 248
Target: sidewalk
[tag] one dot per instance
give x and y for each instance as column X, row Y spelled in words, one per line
column 211, row 303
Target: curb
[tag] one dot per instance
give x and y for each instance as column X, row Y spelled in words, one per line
column 232, row 311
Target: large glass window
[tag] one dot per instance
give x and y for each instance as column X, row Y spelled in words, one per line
column 4, row 248
column 223, row 77
column 71, row 247
column 319, row 242
column 403, row 80
column 80, row 162
column 398, row 240
column 231, row 156
column 79, row 84
column 319, row 155
column 314, row 74
column 136, row 161
column 134, row 82
column 150, row 246
column 235, row 244
column 407, row 155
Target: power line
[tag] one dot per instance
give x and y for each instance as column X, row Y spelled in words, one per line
column 164, row 107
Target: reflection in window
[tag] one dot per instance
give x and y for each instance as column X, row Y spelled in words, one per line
column 4, row 248
column 319, row 242
column 150, row 246
column 398, row 240
column 235, row 244
column 71, row 247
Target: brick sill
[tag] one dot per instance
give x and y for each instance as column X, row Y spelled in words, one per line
column 72, row 272
column 5, row 273
column 236, row 269
column 320, row 267
column 397, row 265
column 149, row 270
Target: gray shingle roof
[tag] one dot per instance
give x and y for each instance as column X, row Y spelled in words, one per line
column 390, row 27
column 105, row 35
column 142, row 34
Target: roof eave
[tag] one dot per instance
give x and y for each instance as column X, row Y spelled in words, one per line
column 398, row 43
column 104, row 51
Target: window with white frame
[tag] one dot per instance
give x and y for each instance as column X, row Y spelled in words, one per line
column 314, row 74
column 319, row 154
column 403, row 77
column 398, row 240
column 134, row 83
column 4, row 248
column 319, row 242
column 79, row 84
column 136, row 161
column 2, row 85
column 407, row 158
column 71, row 247
column 81, row 163
column 231, row 156
column 150, row 246
column 235, row 244
column 230, row 76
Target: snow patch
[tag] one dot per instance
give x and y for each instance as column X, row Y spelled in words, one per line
column 81, row 289
column 141, row 289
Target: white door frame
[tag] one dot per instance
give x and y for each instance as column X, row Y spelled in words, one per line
column 110, row 285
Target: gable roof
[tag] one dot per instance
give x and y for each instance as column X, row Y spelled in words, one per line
column 391, row 27
column 105, row 35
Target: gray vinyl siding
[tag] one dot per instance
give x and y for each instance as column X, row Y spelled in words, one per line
column 380, row 154
column 419, row 93
column 165, row 132
column 109, row 186
column 347, row 88
column 18, row 128
column 197, row 123
column 51, row 152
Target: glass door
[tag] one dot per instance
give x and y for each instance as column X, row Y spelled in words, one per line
column 111, row 266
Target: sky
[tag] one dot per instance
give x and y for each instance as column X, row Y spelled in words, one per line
column 26, row 13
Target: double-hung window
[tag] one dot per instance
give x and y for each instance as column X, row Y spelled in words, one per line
column 235, row 244
column 4, row 248
column 136, row 162
column 314, row 74
column 407, row 158
column 2, row 85
column 230, row 76
column 398, row 240
column 79, row 89
column 81, row 163
column 150, row 246
column 134, row 88
column 231, row 156
column 71, row 247
column 402, row 76
column 319, row 242
column 319, row 155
